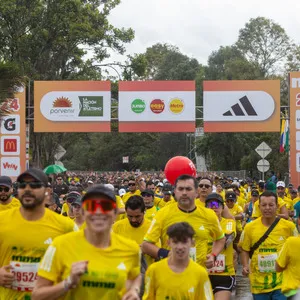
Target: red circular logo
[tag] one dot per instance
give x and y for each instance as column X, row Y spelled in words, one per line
column 157, row 106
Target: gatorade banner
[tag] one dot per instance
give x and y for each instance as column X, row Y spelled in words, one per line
column 72, row 106
column 157, row 106
column 294, row 81
column 241, row 106
column 13, row 136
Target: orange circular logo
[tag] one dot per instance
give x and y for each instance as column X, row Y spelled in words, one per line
column 176, row 106
column 157, row 106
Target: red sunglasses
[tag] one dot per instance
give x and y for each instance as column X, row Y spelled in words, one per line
column 104, row 205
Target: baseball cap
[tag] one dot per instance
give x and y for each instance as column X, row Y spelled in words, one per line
column 271, row 187
column 280, row 184
column 109, row 186
column 254, row 193
column 147, row 191
column 122, row 192
column 160, row 184
column 230, row 196
column 99, row 190
column 36, row 173
column 214, row 196
column 73, row 196
column 290, row 185
column 90, row 181
column 77, row 201
column 5, row 181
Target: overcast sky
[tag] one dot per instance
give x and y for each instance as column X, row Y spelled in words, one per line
column 198, row 27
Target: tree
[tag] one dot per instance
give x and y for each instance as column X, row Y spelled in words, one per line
column 265, row 44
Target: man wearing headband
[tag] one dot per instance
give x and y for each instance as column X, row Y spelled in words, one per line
column 100, row 264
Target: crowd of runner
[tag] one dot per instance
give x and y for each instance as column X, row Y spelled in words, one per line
column 135, row 236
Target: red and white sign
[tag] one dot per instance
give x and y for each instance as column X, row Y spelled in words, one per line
column 10, row 166
column 157, row 106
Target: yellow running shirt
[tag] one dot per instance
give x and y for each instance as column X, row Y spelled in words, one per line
column 23, row 244
column 236, row 210
column 289, row 259
column 203, row 220
column 14, row 203
column 263, row 276
column 224, row 261
column 163, row 283
column 108, row 269
column 129, row 194
column 151, row 213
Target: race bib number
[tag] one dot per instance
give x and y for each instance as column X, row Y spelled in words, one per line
column 219, row 266
column 193, row 253
column 266, row 263
column 25, row 275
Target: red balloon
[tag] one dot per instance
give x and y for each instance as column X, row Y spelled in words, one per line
column 177, row 166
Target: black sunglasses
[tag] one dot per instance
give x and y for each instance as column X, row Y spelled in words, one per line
column 32, row 185
column 207, row 186
column 131, row 184
column 4, row 189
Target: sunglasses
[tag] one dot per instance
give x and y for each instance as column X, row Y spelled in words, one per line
column 280, row 188
column 59, row 178
column 4, row 189
column 213, row 204
column 104, row 205
column 229, row 200
column 131, row 184
column 32, row 185
column 207, row 186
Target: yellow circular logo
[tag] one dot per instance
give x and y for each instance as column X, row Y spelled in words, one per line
column 176, row 106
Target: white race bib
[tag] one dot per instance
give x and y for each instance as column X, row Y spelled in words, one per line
column 193, row 253
column 25, row 275
column 266, row 263
column 219, row 266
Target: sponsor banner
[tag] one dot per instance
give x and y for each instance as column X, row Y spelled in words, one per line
column 241, row 106
column 13, row 137
column 72, row 106
column 294, row 81
column 157, row 106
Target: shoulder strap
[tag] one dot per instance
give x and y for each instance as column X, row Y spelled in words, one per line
column 264, row 237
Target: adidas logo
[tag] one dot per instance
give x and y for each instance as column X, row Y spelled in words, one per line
column 242, row 108
column 48, row 241
column 121, row 266
column 201, row 228
column 281, row 239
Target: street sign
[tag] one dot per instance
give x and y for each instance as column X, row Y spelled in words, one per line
column 60, row 152
column 263, row 150
column 263, row 165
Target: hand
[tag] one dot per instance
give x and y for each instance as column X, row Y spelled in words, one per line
column 131, row 295
column 6, row 277
column 246, row 271
column 210, row 261
column 77, row 270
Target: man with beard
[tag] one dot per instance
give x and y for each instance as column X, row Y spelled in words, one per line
column 203, row 220
column 25, row 234
column 7, row 201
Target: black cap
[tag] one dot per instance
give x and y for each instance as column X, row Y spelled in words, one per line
column 147, row 191
column 254, row 193
column 214, row 196
column 74, row 196
column 37, row 174
column 290, row 185
column 5, row 181
column 77, row 201
column 99, row 190
column 230, row 196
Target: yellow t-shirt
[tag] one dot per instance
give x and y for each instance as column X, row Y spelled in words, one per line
column 296, row 200
column 14, row 203
column 120, row 204
column 257, row 213
column 203, row 220
column 65, row 208
column 151, row 213
column 163, row 283
column 289, row 259
column 224, row 261
column 241, row 202
column 263, row 277
column 108, row 269
column 23, row 244
column 199, row 203
column 137, row 234
column 129, row 194
column 288, row 202
column 235, row 211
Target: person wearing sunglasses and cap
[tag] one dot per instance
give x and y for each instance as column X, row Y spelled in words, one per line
column 132, row 189
column 222, row 275
column 25, row 234
column 7, row 201
column 100, row 263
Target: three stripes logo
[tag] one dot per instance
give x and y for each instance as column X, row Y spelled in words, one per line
column 242, row 108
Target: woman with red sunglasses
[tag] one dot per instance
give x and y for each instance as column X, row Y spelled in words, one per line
column 100, row 264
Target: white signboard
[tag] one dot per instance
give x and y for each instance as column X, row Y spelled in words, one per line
column 263, row 150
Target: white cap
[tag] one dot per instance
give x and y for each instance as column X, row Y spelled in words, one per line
column 122, row 192
column 165, row 180
column 91, row 182
column 160, row 184
column 280, row 183
column 110, row 186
